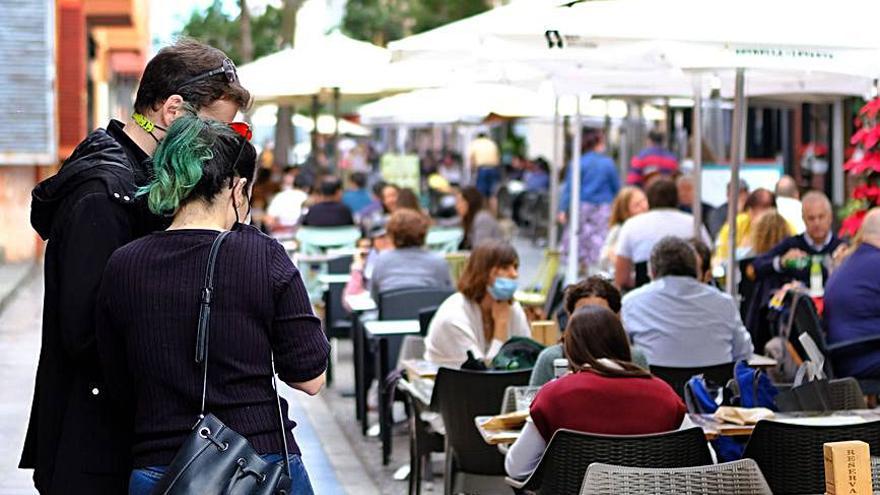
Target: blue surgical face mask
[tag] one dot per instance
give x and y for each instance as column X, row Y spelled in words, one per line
column 503, row 288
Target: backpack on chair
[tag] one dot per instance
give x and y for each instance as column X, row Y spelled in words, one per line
column 518, row 353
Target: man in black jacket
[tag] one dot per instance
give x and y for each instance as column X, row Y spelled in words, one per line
column 77, row 440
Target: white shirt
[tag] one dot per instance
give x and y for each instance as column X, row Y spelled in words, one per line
column 286, row 206
column 457, row 327
column 640, row 233
column 792, row 211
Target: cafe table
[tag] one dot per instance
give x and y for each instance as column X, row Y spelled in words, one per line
column 712, row 428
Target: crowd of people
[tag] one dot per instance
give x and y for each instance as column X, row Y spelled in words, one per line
column 137, row 213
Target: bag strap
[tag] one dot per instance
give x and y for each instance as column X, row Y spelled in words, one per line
column 202, row 342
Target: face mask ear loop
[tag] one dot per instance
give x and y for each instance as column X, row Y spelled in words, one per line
column 234, row 204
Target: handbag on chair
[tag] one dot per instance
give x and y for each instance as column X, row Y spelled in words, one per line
column 214, row 459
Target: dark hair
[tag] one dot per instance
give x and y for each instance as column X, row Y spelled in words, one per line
column 381, row 194
column 656, row 137
column 408, row 228
column 167, row 73
column 704, row 253
column 591, row 138
column 304, row 181
column 196, row 160
column 359, row 179
column 542, row 164
column 377, row 188
column 474, row 199
column 406, row 198
column 594, row 286
column 329, row 186
column 488, row 255
column 673, row 256
column 760, row 198
column 593, row 333
column 662, row 194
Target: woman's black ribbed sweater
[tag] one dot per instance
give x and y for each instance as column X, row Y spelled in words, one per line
column 148, row 309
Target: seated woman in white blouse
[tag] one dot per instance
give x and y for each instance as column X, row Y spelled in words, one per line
column 482, row 315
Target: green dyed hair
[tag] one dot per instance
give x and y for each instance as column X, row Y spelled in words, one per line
column 178, row 164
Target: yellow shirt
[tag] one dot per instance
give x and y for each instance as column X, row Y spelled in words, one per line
column 483, row 152
column 743, row 236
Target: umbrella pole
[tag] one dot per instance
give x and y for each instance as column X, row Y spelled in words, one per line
column 335, row 150
column 552, row 226
column 574, row 209
column 697, row 134
column 737, row 155
column 315, row 109
column 838, row 178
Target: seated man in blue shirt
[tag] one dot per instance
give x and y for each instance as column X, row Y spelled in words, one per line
column 677, row 320
column 852, row 304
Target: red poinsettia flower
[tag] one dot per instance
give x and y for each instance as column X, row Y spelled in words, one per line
column 868, row 192
column 871, row 108
column 868, row 137
column 851, row 224
column 869, row 161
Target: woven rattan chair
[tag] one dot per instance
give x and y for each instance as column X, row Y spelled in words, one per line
column 508, row 403
column 741, row 477
column 791, row 456
column 569, row 453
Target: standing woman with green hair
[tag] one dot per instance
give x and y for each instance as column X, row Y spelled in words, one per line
column 149, row 304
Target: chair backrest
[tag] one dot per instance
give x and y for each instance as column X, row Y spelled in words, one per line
column 742, row 477
column 335, row 322
column 719, row 374
column 508, row 403
column 425, row 317
column 315, row 240
column 791, row 456
column 569, row 453
column 340, row 264
column 456, row 262
column 642, row 275
column 405, row 304
column 554, row 295
column 460, row 396
column 846, row 393
column 805, row 320
column 444, row 239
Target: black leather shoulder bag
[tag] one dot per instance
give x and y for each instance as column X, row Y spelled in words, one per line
column 215, row 460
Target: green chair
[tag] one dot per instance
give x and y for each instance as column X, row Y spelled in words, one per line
column 444, row 239
column 540, row 287
column 317, row 240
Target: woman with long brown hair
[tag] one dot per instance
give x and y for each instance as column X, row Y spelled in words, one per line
column 477, row 221
column 629, row 202
column 604, row 393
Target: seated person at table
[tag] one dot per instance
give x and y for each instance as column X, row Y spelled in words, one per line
column 851, row 303
column 594, row 290
column 639, row 234
column 482, row 315
column 409, row 264
column 758, row 202
column 477, row 221
column 329, row 211
column 704, row 261
column 605, row 393
column 785, row 262
column 679, row 321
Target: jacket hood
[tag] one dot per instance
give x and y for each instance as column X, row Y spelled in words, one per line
column 99, row 157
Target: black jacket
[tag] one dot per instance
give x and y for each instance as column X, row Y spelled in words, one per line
column 76, row 442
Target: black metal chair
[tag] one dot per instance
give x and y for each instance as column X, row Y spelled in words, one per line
column 719, row 374
column 791, row 456
column 460, row 396
column 423, row 439
column 564, row 464
column 425, row 317
column 401, row 304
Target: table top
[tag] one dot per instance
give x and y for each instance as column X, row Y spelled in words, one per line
column 378, row 328
column 760, row 361
column 360, row 303
column 334, row 278
column 713, row 428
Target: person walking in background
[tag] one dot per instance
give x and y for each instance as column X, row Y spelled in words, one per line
column 599, row 186
column 788, row 202
column 485, row 158
column 259, row 309
column 329, row 211
column 478, row 224
column 629, row 202
column 654, row 159
column 77, row 441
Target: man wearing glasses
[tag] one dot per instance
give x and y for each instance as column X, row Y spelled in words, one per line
column 77, row 442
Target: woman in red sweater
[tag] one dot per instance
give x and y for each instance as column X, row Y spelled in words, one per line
column 604, row 393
